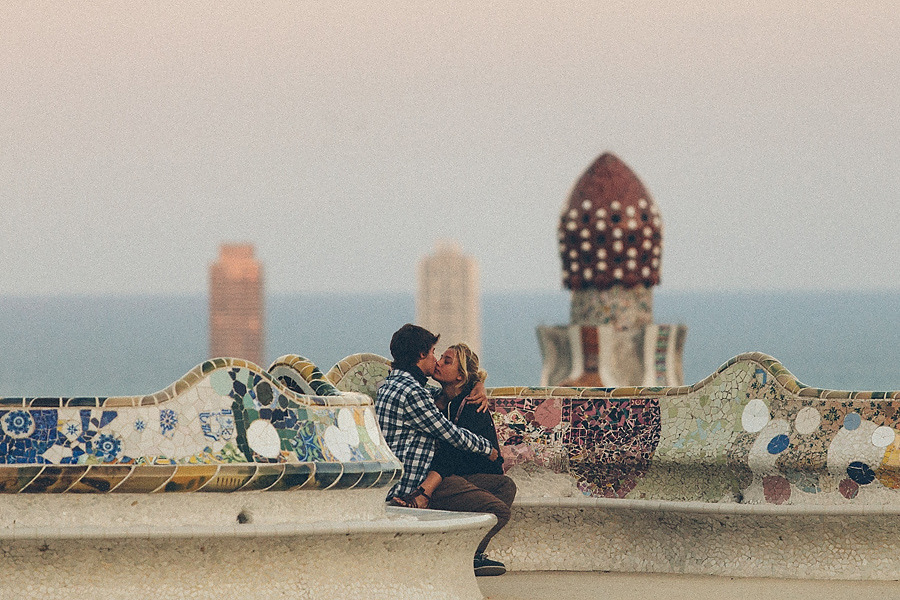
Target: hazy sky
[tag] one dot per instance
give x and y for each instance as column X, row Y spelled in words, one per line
column 345, row 138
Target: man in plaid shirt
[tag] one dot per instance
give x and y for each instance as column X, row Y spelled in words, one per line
column 408, row 418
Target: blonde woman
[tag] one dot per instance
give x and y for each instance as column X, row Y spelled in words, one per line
column 460, row 480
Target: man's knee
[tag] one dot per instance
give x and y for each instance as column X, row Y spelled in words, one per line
column 505, row 489
column 500, row 510
column 508, row 487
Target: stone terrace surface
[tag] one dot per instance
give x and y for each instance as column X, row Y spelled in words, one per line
column 326, row 545
column 546, row 585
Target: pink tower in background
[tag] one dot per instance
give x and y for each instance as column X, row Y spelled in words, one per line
column 236, row 304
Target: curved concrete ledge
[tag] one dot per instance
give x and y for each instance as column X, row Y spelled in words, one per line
column 330, row 554
column 423, row 522
column 597, row 534
column 185, row 511
column 710, row 508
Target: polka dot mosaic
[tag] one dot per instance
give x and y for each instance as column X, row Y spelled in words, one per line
column 225, row 426
column 610, row 230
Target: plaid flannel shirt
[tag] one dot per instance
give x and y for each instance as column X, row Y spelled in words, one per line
column 411, row 423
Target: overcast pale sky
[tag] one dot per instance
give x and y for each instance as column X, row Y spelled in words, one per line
column 344, row 138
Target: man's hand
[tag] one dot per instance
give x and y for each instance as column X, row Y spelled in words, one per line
column 478, row 396
column 494, row 455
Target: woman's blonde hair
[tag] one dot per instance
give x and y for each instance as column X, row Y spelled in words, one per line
column 468, row 364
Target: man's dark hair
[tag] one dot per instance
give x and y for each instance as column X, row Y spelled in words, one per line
column 409, row 343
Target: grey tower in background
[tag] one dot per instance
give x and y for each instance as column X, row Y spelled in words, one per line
column 448, row 298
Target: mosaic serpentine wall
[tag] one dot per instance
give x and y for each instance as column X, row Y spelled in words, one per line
column 360, row 373
column 225, row 426
column 749, row 433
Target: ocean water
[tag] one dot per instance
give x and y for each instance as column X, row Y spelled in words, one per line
column 106, row 345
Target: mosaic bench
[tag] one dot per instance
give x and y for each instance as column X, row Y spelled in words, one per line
column 234, row 482
column 746, row 473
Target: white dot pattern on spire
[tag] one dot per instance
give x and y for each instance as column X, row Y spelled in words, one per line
column 610, row 230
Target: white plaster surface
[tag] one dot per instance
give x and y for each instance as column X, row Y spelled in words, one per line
column 399, row 555
column 792, row 541
column 535, row 481
column 194, row 509
column 545, row 585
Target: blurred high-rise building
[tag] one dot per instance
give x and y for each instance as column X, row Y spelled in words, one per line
column 448, row 300
column 236, row 304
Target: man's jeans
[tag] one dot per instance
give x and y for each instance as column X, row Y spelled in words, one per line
column 480, row 492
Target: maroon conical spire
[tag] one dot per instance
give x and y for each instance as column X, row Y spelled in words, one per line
column 610, row 231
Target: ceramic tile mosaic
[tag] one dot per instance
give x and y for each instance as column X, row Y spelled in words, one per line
column 661, row 353
column 617, row 305
column 749, row 433
column 611, row 340
column 225, row 426
column 607, row 443
column 301, row 376
column 360, row 373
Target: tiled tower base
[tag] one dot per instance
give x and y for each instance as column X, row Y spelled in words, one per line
column 604, row 356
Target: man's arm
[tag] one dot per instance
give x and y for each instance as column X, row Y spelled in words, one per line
column 478, row 397
column 424, row 416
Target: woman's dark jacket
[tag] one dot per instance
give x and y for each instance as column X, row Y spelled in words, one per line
column 453, row 461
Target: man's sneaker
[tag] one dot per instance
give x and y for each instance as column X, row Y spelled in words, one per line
column 487, row 567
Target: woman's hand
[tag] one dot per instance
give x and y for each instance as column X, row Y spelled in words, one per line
column 432, row 480
column 478, row 396
column 421, row 501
